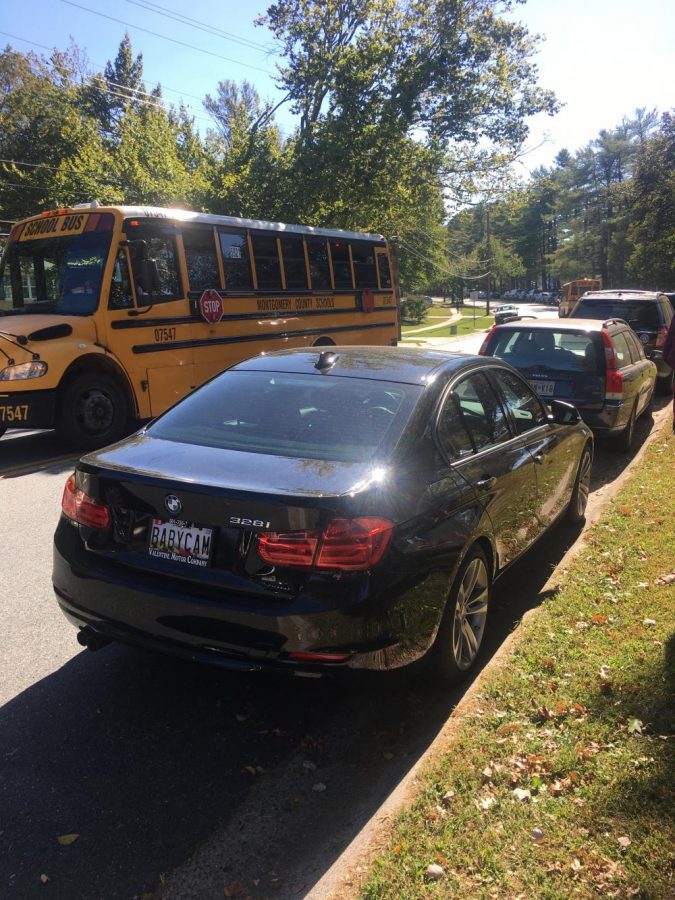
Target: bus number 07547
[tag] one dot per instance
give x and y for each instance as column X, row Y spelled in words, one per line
column 14, row 413
column 165, row 334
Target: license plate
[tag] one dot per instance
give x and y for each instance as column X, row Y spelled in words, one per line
column 545, row 388
column 180, row 541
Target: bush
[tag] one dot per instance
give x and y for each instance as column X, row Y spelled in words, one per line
column 414, row 309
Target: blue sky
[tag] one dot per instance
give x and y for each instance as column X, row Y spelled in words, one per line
column 602, row 58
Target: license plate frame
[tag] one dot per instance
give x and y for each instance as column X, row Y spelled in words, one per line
column 180, row 541
column 543, row 388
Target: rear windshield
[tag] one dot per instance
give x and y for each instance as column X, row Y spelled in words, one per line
column 640, row 314
column 300, row 416
column 561, row 351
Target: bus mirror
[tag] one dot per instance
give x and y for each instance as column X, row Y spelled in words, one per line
column 150, row 275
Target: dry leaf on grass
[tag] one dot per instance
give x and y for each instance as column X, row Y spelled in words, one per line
column 67, row 839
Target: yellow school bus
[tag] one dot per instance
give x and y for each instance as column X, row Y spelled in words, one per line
column 572, row 290
column 108, row 315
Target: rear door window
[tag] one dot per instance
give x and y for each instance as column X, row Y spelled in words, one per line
column 525, row 408
column 480, row 411
column 636, row 351
column 621, row 351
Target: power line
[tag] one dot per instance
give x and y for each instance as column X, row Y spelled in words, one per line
column 18, row 162
column 196, row 23
column 167, row 38
column 439, row 267
column 102, row 67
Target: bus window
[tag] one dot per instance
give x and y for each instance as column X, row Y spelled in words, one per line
column 200, row 259
column 266, row 256
column 295, row 269
column 385, row 273
column 317, row 250
column 342, row 270
column 161, row 248
column 364, row 265
column 236, row 263
column 120, row 288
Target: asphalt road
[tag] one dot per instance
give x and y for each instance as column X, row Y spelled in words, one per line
column 180, row 780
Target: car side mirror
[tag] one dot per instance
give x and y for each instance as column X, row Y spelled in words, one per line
column 563, row 413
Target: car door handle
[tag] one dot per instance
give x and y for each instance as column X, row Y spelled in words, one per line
column 486, row 483
column 539, row 458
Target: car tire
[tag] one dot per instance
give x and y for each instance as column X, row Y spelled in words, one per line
column 92, row 412
column 625, row 440
column 576, row 510
column 462, row 628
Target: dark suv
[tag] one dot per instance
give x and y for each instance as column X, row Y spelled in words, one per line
column 599, row 366
column 647, row 312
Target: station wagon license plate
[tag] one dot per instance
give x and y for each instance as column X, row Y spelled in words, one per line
column 180, row 541
column 544, row 388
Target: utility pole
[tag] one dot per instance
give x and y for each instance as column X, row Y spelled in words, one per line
column 489, row 260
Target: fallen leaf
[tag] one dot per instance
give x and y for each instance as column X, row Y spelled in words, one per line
column 624, row 841
column 486, row 803
column 319, row 787
column 434, row 872
column 522, row 794
column 44, row 878
column 67, row 839
column 649, row 622
column 448, row 797
column 250, row 770
column 665, row 579
column 635, row 726
column 486, row 774
column 309, row 765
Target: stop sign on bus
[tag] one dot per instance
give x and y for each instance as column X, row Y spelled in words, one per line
column 211, row 306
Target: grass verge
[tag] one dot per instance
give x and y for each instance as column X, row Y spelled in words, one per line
column 465, row 325
column 560, row 780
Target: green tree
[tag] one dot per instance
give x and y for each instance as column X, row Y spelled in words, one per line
column 652, row 233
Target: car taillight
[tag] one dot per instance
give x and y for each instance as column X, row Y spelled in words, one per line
column 346, row 544
column 613, row 378
column 484, row 345
column 82, row 508
column 660, row 338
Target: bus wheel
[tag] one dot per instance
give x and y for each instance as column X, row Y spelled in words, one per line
column 92, row 412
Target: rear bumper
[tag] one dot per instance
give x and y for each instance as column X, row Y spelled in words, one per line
column 251, row 634
column 611, row 419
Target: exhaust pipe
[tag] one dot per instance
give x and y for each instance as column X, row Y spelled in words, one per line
column 91, row 639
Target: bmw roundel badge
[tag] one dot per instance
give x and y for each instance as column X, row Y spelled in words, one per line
column 172, row 503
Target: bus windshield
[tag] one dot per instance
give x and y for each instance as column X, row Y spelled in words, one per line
column 60, row 275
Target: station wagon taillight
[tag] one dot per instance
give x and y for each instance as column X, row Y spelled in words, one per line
column 613, row 378
column 82, row 508
column 661, row 338
column 484, row 345
column 346, row 544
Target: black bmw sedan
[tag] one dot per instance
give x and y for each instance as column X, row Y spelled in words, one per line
column 308, row 510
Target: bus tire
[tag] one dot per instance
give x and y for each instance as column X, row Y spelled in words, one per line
column 92, row 412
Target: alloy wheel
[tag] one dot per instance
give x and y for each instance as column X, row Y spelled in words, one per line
column 470, row 614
